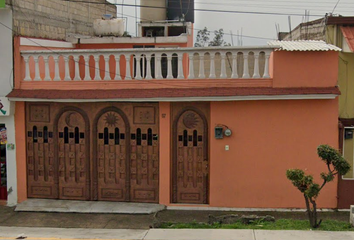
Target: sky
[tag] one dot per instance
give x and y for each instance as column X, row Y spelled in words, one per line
column 255, row 20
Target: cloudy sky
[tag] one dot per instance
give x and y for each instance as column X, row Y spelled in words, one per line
column 255, row 19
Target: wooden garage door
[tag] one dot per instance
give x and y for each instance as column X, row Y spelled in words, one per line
column 112, row 157
column 190, row 166
column 144, row 152
column 41, row 174
column 73, row 155
column 122, row 165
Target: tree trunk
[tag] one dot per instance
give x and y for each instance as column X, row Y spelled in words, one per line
column 311, row 214
column 314, row 214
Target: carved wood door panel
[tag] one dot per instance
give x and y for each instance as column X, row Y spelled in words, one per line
column 112, row 157
column 190, row 160
column 144, row 152
column 41, row 175
column 73, row 156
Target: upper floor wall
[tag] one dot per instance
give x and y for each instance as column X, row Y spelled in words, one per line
column 151, row 66
column 305, row 69
column 55, row 19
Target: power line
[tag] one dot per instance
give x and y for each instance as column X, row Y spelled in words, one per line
column 197, row 9
column 335, row 6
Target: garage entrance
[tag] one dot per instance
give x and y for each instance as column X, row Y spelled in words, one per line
column 93, row 151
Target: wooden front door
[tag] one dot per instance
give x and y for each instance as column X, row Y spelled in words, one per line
column 73, row 155
column 112, row 155
column 190, row 164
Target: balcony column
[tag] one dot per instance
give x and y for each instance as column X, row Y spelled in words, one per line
column 97, row 67
column 117, row 76
column 87, row 68
column 256, row 66
column 201, row 66
column 169, row 66
column 158, row 66
column 56, row 68
column 107, row 72
column 37, row 76
column 77, row 68
column 27, row 70
column 223, row 66
column 148, row 66
column 212, row 65
column 191, row 66
column 246, row 73
column 266, row 66
column 67, row 69
column 234, row 65
column 46, row 68
column 180, row 66
column 128, row 75
column 138, row 66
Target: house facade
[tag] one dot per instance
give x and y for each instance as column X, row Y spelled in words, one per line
column 37, row 22
column 339, row 31
column 109, row 121
column 152, row 119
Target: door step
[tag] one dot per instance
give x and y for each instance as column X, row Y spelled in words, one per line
column 69, row 206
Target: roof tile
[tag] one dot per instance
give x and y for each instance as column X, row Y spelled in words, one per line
column 304, row 45
column 164, row 93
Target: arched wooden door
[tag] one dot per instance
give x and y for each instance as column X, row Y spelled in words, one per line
column 73, row 154
column 190, row 164
column 111, row 155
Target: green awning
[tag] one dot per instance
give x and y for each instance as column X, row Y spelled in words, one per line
column 2, row 3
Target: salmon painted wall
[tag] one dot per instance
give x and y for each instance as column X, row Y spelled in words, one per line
column 305, row 69
column 165, row 152
column 266, row 141
column 20, row 130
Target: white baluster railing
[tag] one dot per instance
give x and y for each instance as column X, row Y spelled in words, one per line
column 174, row 63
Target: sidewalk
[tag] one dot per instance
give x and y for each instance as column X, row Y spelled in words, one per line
column 164, row 234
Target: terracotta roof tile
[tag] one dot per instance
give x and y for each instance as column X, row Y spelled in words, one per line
column 348, row 33
column 166, row 93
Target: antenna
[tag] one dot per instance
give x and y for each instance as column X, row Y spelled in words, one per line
column 232, row 38
column 289, row 20
column 277, row 31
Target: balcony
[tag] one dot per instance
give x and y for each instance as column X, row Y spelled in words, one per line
column 119, row 68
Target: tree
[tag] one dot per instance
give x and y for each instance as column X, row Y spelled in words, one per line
column 203, row 37
column 336, row 164
column 219, row 39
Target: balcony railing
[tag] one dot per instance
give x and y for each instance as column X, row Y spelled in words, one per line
column 146, row 64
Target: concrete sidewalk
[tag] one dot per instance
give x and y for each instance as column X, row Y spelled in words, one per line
column 169, row 234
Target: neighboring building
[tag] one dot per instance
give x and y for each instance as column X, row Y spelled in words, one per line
column 338, row 31
column 34, row 21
